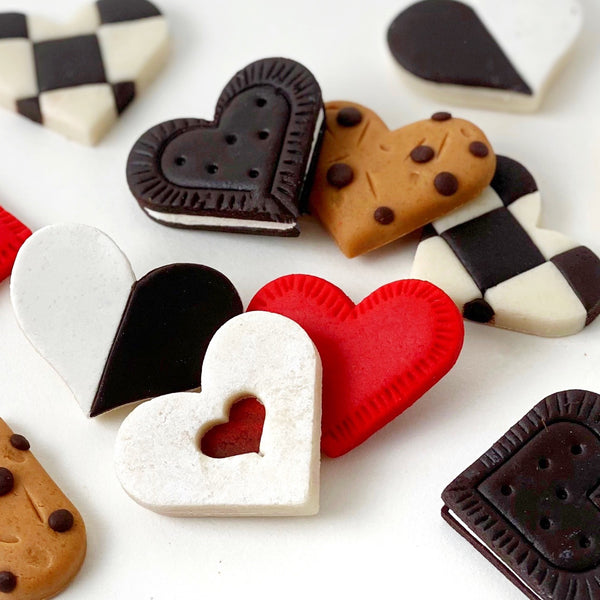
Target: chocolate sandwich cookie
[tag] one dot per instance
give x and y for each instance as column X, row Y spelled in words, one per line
column 249, row 169
column 78, row 77
column 486, row 53
column 531, row 504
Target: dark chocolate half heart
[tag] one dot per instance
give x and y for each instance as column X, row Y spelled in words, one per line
column 170, row 318
column 444, row 41
column 249, row 169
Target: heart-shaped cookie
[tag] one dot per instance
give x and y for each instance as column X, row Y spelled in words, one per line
column 113, row 339
column 77, row 77
column 374, row 185
column 158, row 453
column 379, row 356
column 500, row 268
column 248, row 170
column 485, row 53
column 12, row 235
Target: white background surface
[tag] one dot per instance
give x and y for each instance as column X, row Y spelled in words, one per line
column 379, row 533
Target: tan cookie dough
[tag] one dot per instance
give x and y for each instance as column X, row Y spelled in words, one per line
column 42, row 535
column 374, row 185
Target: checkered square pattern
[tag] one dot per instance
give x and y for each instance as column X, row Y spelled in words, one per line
column 76, row 78
column 501, row 268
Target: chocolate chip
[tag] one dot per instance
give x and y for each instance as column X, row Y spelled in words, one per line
column 383, row 215
column 19, row 442
column 441, row 116
column 349, row 116
column 8, row 582
column 422, row 154
column 478, row 310
column 446, row 183
column 478, row 149
column 340, row 175
column 7, row 481
column 61, row 520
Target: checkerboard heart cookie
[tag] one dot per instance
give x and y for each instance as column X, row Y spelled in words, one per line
column 12, row 235
column 502, row 269
column 77, row 77
column 113, row 339
column 374, row 185
column 250, row 169
column 499, row 55
column 531, row 503
column 42, row 535
column 248, row 444
column 379, row 356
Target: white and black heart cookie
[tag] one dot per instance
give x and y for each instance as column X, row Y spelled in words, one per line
column 485, row 53
column 500, row 268
column 160, row 455
column 77, row 77
column 113, row 339
column 250, row 169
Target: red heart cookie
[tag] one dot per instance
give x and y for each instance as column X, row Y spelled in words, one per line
column 12, row 235
column 378, row 356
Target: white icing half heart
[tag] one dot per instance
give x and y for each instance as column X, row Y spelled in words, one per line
column 69, row 287
column 157, row 453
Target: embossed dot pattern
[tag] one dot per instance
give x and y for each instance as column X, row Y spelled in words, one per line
column 7, row 481
column 340, row 175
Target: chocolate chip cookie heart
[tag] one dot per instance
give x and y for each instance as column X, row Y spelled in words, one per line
column 160, row 457
column 77, row 77
column 483, row 52
column 249, row 169
column 113, row 339
column 500, row 268
column 374, row 185
column 12, row 235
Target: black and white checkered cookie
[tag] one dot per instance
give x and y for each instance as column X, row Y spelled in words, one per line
column 500, row 268
column 77, row 77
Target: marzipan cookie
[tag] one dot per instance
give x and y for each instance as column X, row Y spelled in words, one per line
column 42, row 535
column 374, row 185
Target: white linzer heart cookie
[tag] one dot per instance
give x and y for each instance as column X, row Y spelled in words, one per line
column 77, row 77
column 500, row 268
column 158, row 453
column 495, row 54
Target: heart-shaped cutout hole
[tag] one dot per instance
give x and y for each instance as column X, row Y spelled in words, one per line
column 240, row 435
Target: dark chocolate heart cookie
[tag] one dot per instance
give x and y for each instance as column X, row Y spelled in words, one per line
column 249, row 169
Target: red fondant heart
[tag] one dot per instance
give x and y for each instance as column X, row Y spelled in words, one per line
column 240, row 435
column 12, row 235
column 378, row 356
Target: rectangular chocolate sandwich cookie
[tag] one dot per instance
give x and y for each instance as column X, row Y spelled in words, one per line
column 531, row 504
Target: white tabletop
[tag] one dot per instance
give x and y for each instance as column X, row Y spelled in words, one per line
column 379, row 531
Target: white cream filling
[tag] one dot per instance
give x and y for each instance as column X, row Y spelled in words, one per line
column 208, row 221
column 470, row 533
